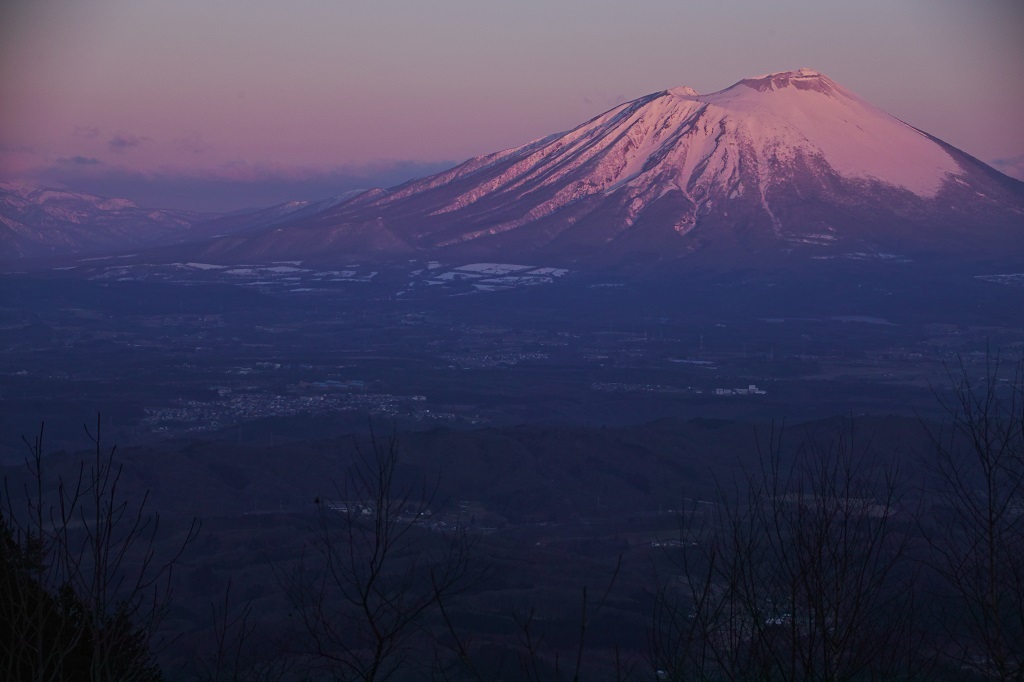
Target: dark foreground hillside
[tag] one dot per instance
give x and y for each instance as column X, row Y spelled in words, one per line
column 817, row 550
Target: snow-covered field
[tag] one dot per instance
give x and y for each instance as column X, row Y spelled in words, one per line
column 487, row 277
column 292, row 276
column 1013, row 279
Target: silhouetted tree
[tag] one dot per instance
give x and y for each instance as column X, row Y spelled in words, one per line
column 83, row 589
column 794, row 573
column 538, row 665
column 377, row 572
column 977, row 531
column 236, row 654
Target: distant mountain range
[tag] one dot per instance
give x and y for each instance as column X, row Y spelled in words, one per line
column 779, row 165
column 37, row 221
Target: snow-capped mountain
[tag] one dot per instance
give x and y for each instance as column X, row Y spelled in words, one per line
column 781, row 163
column 37, row 221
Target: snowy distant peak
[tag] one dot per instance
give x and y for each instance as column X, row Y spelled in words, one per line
column 19, row 188
column 780, row 117
column 41, row 221
column 801, row 79
column 802, row 72
column 684, row 91
column 747, row 138
column 54, row 197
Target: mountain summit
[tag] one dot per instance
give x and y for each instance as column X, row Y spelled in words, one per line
column 783, row 163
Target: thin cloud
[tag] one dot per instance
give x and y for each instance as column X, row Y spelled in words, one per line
column 122, row 141
column 1012, row 166
column 79, row 161
column 86, row 132
column 192, row 143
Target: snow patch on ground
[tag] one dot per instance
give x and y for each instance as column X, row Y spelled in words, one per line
column 204, row 266
column 283, row 268
column 493, row 268
column 1012, row 279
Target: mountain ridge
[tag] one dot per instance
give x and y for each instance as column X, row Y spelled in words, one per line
column 42, row 221
column 781, row 162
column 780, row 166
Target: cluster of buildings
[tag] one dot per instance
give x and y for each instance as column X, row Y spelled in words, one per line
column 749, row 390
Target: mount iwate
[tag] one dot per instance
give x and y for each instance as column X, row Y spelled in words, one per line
column 782, row 166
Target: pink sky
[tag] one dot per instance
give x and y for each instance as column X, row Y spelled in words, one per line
column 224, row 104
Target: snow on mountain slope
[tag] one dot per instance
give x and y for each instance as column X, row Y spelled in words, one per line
column 784, row 161
column 805, row 111
column 775, row 118
column 791, row 156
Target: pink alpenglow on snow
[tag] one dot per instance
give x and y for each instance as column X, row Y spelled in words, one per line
column 678, row 140
column 780, row 113
column 214, row 106
column 774, row 164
